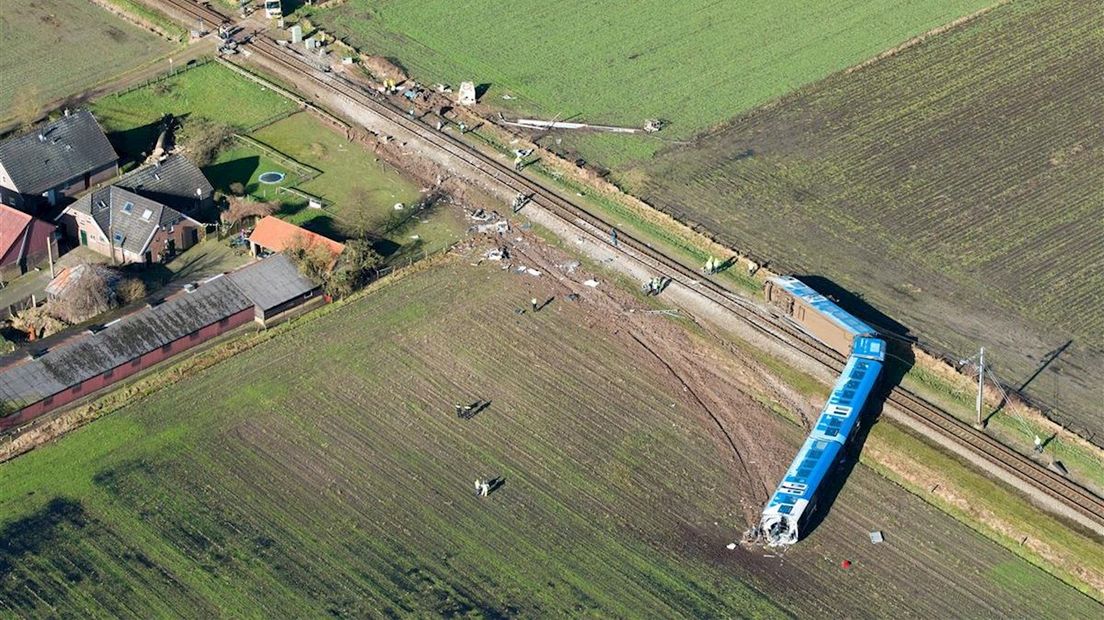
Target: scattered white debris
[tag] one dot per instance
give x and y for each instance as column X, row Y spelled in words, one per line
column 569, row 267
column 507, row 97
column 533, row 272
column 493, row 255
column 591, row 283
column 730, row 546
column 876, row 537
column 399, row 206
column 415, row 237
column 501, row 226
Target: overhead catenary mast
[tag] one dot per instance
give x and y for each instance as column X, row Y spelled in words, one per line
column 981, row 387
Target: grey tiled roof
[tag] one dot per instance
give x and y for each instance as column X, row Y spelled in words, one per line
column 57, row 152
column 129, row 339
column 271, row 282
column 108, row 206
column 172, row 182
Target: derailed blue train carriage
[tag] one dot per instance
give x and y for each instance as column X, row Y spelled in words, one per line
column 795, row 499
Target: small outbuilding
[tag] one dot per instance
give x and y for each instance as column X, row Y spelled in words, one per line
column 272, row 235
column 276, row 287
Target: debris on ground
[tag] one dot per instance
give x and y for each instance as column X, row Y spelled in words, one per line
column 500, row 227
column 655, row 286
column 569, row 267
column 399, row 206
column 730, row 546
column 876, row 537
column 481, row 215
column 532, row 272
column 519, row 201
column 591, row 283
column 846, row 564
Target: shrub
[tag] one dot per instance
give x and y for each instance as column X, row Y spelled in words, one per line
column 131, row 290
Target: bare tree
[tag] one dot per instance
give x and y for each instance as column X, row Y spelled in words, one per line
column 91, row 294
column 203, row 139
column 130, row 290
column 37, row 322
column 242, row 208
column 358, row 218
column 314, row 259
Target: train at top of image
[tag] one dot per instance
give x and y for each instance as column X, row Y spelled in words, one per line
column 789, row 510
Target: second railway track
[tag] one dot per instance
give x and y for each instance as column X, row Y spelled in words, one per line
column 1022, row 467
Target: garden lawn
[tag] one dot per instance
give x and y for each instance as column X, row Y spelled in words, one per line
column 357, row 188
column 210, row 92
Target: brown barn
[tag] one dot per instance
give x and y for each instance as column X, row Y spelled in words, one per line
column 81, row 366
column 59, row 159
column 129, row 228
column 25, row 242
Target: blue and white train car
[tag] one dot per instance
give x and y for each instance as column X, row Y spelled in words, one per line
column 795, row 499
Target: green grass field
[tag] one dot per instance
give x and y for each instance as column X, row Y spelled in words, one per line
column 324, row 473
column 210, row 91
column 50, row 49
column 695, row 63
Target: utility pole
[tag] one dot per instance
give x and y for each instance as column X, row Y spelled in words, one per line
column 50, row 253
column 981, row 387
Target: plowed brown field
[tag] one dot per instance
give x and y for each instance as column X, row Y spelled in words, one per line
column 324, row 472
column 956, row 187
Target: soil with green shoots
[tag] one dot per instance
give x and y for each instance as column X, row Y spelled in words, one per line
column 325, row 472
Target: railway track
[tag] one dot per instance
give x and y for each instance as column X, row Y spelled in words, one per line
column 198, row 10
column 772, row 326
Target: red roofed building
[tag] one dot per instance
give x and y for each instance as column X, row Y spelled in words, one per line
column 273, row 235
column 24, row 242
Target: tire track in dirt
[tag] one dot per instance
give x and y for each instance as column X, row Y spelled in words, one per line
column 750, row 481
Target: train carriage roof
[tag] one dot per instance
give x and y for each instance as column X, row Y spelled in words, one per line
column 822, row 304
column 806, row 472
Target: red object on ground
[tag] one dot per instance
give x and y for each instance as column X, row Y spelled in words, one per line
column 845, row 564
